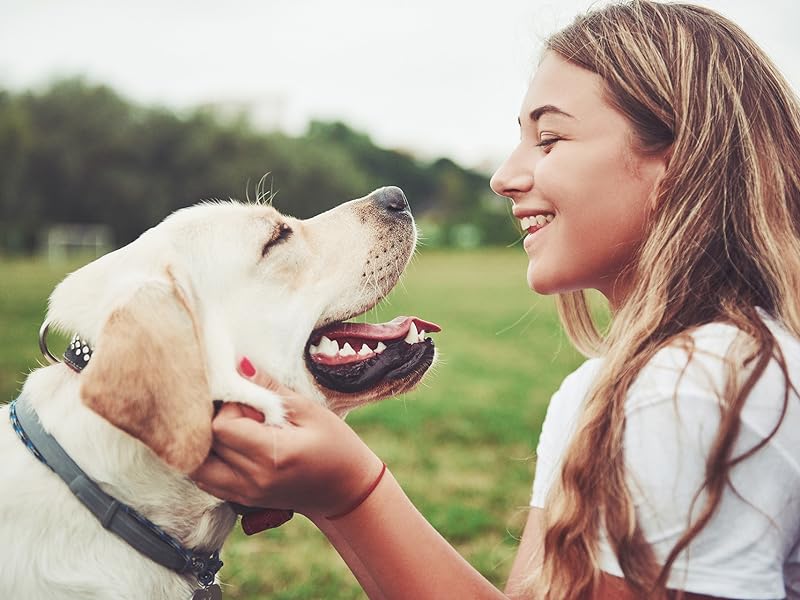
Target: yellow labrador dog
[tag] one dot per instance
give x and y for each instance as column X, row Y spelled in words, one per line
column 94, row 498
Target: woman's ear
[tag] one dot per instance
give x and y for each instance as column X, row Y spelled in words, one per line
column 147, row 374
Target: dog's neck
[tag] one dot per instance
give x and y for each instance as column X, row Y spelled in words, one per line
column 124, row 467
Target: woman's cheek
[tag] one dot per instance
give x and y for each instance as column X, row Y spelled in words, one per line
column 551, row 179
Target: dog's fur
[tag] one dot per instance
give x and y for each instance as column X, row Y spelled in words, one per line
column 169, row 317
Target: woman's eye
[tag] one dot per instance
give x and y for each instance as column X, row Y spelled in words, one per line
column 281, row 234
column 547, row 142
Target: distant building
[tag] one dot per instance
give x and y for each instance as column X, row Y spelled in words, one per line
column 63, row 240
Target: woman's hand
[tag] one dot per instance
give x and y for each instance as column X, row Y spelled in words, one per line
column 315, row 464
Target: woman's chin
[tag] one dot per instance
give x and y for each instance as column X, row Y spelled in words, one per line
column 548, row 283
column 538, row 283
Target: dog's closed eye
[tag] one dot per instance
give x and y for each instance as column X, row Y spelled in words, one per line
column 281, row 233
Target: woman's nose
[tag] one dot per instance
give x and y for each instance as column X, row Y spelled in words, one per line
column 511, row 179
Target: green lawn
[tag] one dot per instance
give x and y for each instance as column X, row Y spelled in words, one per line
column 461, row 445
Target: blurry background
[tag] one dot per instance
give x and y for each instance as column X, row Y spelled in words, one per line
column 116, row 113
column 113, row 114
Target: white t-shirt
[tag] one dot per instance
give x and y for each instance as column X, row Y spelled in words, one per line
column 751, row 546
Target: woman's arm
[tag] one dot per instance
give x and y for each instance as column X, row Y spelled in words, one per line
column 403, row 554
column 328, row 528
column 529, row 557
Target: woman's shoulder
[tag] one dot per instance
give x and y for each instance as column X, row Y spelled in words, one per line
column 707, row 353
column 565, row 404
column 581, row 378
column 569, row 397
column 717, row 338
column 701, row 362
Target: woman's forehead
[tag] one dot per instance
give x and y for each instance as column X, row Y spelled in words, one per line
column 564, row 86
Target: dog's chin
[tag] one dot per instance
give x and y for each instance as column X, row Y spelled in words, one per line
column 342, row 403
column 379, row 360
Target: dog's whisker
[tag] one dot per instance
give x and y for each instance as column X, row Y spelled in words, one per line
column 262, row 197
column 247, row 192
column 401, row 276
column 272, row 192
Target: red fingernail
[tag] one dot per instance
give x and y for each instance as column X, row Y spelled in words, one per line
column 247, row 368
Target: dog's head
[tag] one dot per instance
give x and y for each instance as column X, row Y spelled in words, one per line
column 170, row 315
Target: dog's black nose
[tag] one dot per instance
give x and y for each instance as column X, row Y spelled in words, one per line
column 392, row 199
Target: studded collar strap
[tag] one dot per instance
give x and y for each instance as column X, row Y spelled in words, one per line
column 77, row 354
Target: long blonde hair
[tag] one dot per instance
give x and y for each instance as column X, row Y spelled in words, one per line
column 724, row 239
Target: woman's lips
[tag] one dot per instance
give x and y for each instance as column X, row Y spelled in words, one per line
column 533, row 230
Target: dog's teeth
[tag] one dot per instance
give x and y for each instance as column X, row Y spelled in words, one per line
column 413, row 335
column 328, row 346
column 365, row 350
column 380, row 347
column 347, row 350
column 312, row 349
column 421, row 335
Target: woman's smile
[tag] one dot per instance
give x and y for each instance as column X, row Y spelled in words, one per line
column 535, row 222
column 533, row 226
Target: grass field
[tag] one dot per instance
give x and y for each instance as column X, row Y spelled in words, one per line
column 461, row 445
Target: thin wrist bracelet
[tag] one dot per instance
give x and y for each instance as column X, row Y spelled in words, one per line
column 363, row 497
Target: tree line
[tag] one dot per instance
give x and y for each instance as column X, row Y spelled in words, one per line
column 78, row 152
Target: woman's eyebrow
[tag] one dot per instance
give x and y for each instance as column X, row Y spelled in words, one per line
column 537, row 113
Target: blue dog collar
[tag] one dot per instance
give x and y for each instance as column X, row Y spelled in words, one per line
column 136, row 530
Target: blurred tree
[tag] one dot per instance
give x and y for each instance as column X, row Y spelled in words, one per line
column 18, row 216
column 78, row 152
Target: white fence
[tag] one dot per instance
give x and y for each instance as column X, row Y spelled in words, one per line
column 64, row 240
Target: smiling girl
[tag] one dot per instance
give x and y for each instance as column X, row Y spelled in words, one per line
column 658, row 163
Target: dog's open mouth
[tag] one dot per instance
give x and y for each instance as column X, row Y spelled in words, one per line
column 354, row 357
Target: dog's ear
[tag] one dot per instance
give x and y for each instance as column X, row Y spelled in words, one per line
column 147, row 374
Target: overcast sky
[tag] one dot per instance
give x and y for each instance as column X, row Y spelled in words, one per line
column 437, row 77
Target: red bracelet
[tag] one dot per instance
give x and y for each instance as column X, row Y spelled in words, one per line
column 361, row 500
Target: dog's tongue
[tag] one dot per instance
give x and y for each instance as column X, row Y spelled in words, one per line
column 396, row 328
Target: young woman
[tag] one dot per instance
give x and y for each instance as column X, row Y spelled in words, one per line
column 658, row 163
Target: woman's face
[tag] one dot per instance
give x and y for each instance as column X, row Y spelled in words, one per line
column 577, row 185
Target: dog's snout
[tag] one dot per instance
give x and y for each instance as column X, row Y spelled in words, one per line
column 391, row 199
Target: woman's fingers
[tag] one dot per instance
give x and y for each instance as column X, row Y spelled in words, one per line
column 216, row 477
column 235, row 410
column 249, row 465
column 242, row 434
column 234, row 478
